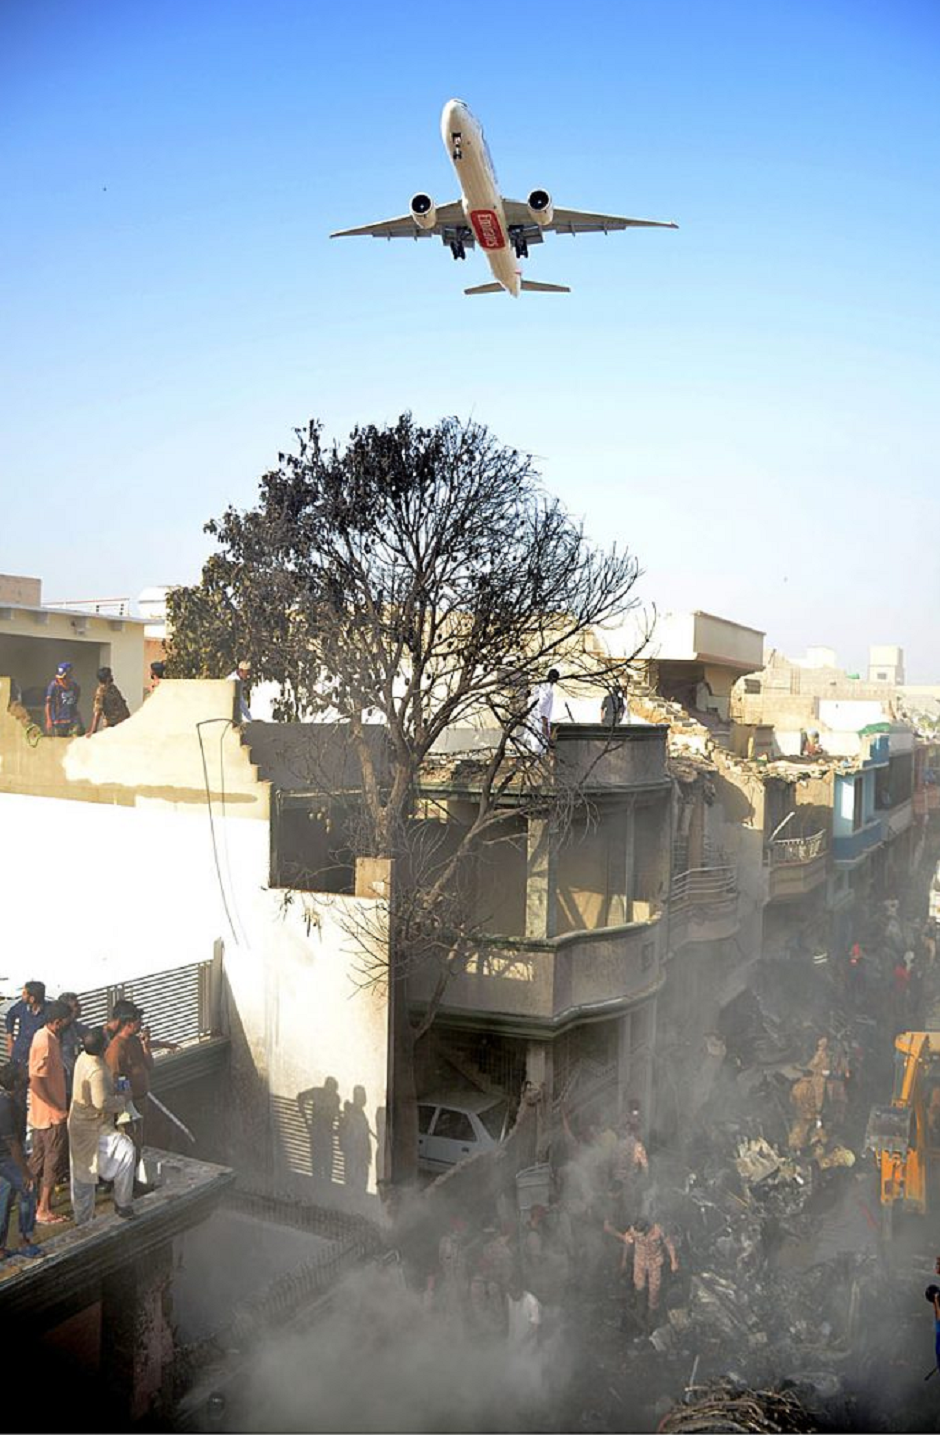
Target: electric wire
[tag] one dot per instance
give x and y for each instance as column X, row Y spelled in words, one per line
column 207, row 722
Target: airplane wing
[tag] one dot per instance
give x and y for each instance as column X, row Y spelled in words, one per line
column 575, row 221
column 449, row 216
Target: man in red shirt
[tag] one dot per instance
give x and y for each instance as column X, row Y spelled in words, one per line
column 127, row 1055
column 48, row 1110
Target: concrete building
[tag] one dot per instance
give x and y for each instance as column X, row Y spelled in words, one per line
column 164, row 836
column 36, row 637
column 886, row 665
column 562, row 986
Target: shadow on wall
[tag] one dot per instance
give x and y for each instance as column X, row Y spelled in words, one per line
column 329, row 1141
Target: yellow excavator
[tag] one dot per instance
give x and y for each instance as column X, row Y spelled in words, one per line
column 905, row 1136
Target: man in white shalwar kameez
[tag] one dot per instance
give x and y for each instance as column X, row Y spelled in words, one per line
column 96, row 1148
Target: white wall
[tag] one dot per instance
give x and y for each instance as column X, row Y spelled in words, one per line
column 848, row 716
column 95, row 893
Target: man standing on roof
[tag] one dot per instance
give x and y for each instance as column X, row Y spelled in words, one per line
column 110, row 707
column 23, row 1020
column 48, row 1111
column 62, row 695
column 242, row 676
column 540, row 716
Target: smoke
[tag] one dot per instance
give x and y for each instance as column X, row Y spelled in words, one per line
column 782, row 1279
column 383, row 1361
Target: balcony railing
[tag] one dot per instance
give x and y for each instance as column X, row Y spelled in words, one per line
column 545, row 981
column 851, row 848
column 702, row 885
column 180, row 1005
column 796, row 865
column 703, row 905
column 786, row 850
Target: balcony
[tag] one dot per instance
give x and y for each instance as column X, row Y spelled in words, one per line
column 898, row 819
column 703, row 905
column 525, row 985
column 628, row 758
column 849, row 850
column 795, row 865
column 926, row 799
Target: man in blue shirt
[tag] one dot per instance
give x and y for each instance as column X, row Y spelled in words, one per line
column 23, row 1020
column 15, row 1177
column 62, row 695
column 71, row 1038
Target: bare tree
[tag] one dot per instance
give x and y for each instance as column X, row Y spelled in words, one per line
column 422, row 579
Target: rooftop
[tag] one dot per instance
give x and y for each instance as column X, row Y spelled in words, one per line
column 73, row 1256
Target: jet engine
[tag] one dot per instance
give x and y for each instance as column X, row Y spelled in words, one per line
column 540, row 206
column 424, row 211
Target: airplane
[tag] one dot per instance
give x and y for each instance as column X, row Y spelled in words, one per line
column 503, row 228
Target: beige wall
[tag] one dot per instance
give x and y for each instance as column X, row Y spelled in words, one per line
column 167, row 753
column 592, row 876
column 14, row 589
column 687, row 637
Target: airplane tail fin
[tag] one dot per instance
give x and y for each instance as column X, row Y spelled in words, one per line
column 545, row 288
column 485, row 289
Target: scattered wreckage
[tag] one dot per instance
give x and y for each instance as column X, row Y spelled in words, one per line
column 728, row 1407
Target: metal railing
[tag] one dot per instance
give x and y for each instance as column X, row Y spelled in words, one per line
column 701, row 886
column 179, row 1005
column 796, row 849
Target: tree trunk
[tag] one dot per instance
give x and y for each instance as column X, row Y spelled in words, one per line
column 403, row 1097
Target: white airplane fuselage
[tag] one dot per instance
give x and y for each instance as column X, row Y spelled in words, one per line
column 467, row 149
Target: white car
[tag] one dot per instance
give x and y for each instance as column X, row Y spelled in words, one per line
column 453, row 1125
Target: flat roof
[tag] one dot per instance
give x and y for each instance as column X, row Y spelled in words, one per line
column 73, row 613
column 43, row 1288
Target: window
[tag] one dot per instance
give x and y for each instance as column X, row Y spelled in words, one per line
column 425, row 1114
column 494, row 1118
column 857, row 804
column 453, row 1125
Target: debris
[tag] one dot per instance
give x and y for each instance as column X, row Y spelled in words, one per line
column 727, row 1407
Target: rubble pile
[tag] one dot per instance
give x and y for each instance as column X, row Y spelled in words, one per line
column 727, row 1407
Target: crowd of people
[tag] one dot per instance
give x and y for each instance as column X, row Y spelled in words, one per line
column 72, row 1105
column 62, row 714
column 518, row 1278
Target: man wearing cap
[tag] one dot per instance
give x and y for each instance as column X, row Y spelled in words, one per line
column 62, row 695
column 242, row 676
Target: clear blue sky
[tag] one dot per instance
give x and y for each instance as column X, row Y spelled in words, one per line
column 751, row 403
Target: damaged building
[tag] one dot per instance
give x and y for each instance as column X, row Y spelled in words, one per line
column 657, row 930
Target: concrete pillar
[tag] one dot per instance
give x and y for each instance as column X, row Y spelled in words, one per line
column 538, row 1071
column 629, row 860
column 635, row 1066
column 541, row 880
column 137, row 1349
column 538, row 1065
column 697, row 831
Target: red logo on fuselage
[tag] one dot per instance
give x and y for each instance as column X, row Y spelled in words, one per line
column 486, row 228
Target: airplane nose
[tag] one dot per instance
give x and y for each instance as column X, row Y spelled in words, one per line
column 452, row 118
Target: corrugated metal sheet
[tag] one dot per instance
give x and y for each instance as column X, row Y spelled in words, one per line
column 174, row 1002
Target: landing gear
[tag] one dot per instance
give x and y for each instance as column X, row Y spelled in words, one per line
column 457, row 249
column 456, row 145
column 517, row 239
